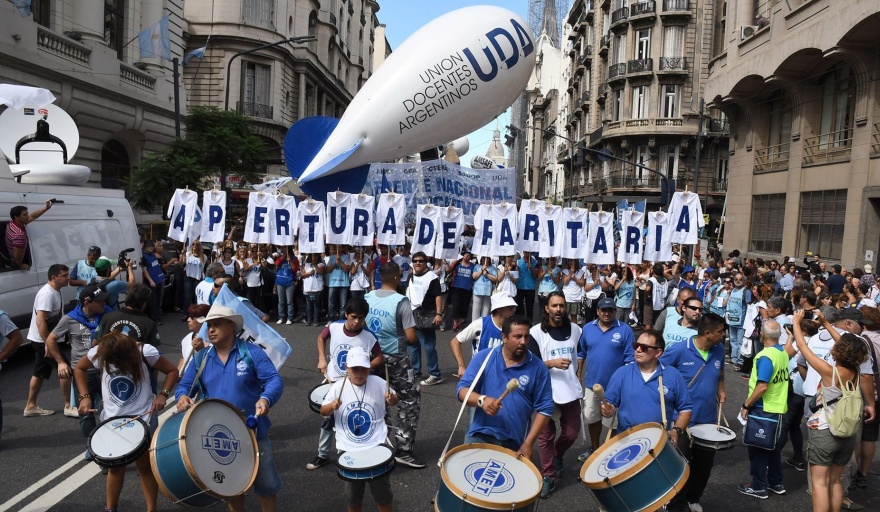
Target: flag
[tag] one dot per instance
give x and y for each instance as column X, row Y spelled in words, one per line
column 155, row 41
column 198, row 53
column 271, row 185
column 24, row 7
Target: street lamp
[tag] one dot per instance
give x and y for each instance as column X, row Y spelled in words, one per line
column 294, row 40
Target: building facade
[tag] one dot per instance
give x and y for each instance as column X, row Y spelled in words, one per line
column 87, row 53
column 635, row 72
column 800, row 83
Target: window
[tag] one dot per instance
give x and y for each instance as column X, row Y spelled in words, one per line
column 822, row 216
column 114, row 31
column 581, row 177
column 768, row 212
column 673, row 41
column 618, row 104
column 40, row 11
column 669, row 101
column 619, row 54
column 838, row 100
column 255, row 91
column 642, row 158
column 258, row 13
column 643, row 44
column 640, row 102
column 722, row 168
column 780, row 126
column 668, row 161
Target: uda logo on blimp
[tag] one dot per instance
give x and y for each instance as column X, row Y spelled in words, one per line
column 221, row 444
column 507, row 55
column 489, row 477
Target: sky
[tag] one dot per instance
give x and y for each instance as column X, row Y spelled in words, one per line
column 403, row 17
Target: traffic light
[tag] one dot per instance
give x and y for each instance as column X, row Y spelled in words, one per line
column 510, row 138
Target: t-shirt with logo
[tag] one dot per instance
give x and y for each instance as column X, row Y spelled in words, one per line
column 341, row 341
column 605, row 352
column 360, row 420
column 121, row 395
column 706, row 366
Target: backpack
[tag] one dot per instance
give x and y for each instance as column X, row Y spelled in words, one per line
column 845, row 418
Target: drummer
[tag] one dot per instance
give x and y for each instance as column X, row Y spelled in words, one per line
column 633, row 392
column 123, row 362
column 504, row 424
column 338, row 338
column 360, row 424
column 252, row 390
column 700, row 360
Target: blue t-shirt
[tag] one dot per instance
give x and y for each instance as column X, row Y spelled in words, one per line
column 533, row 394
column 526, row 279
column 685, row 358
column 625, row 294
column 151, row 262
column 463, row 277
column 114, row 288
column 675, row 333
column 547, row 283
column 338, row 278
column 82, row 272
column 483, row 286
column 605, row 352
column 638, row 401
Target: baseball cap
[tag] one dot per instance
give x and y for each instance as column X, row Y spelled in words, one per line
column 687, row 269
column 357, row 358
column 855, row 315
column 869, row 269
column 606, row 303
column 103, row 264
column 502, row 300
column 93, row 293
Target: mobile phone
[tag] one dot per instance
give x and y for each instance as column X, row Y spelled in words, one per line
column 53, row 200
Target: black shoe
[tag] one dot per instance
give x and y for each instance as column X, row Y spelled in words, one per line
column 318, row 462
column 547, row 487
column 407, row 459
column 798, row 465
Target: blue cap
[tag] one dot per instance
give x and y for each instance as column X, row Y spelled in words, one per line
column 687, row 269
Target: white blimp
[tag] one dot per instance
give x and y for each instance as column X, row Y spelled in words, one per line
column 450, row 77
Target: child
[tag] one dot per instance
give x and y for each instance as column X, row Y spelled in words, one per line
column 358, row 407
column 120, row 357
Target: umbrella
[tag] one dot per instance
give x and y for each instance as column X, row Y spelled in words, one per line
column 19, row 96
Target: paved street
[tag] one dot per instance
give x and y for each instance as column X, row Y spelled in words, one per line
column 43, row 467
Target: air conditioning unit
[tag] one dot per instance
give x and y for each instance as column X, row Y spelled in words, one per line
column 747, row 32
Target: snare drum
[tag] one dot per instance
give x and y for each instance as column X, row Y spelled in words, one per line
column 205, row 454
column 316, row 396
column 712, row 436
column 638, row 469
column 484, row 477
column 365, row 464
column 119, row 441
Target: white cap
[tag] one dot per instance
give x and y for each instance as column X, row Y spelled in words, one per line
column 357, row 358
column 502, row 300
column 869, row 269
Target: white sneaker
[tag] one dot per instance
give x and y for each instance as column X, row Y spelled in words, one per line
column 280, row 321
column 695, row 507
column 287, row 322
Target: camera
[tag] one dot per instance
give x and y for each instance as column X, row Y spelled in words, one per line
column 122, row 260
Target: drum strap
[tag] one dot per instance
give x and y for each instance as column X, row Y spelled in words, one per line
column 198, row 375
column 464, row 406
column 662, row 401
column 697, row 374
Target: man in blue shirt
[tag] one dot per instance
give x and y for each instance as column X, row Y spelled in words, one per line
column 531, row 402
column 252, row 390
column 606, row 344
column 525, row 286
column 154, row 277
column 700, row 360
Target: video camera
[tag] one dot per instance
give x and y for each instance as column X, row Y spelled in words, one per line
column 123, row 260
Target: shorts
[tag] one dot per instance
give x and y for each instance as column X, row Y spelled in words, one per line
column 43, row 364
column 573, row 309
column 593, row 411
column 267, row 483
column 824, row 449
column 870, row 431
column 380, row 488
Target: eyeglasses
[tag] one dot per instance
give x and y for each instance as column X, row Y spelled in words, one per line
column 694, row 308
column 418, row 261
column 643, row 347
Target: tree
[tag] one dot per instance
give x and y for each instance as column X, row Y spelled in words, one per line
column 217, row 143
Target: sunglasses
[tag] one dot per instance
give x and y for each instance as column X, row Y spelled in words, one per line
column 418, row 261
column 694, row 308
column 643, row 347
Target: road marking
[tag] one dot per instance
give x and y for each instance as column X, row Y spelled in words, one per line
column 64, row 489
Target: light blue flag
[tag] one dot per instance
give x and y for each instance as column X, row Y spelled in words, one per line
column 23, row 6
column 198, row 53
column 155, row 41
column 255, row 330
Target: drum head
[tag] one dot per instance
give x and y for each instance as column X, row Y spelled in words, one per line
column 365, row 459
column 112, row 440
column 712, row 432
column 491, row 475
column 219, row 450
column 622, row 454
column 316, row 396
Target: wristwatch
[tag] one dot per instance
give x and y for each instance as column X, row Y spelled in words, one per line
column 481, row 400
column 166, row 393
column 678, row 430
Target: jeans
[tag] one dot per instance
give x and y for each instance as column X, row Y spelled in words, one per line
column 765, row 466
column 325, row 438
column 336, row 302
column 154, row 302
column 736, row 341
column 189, row 288
column 480, row 307
column 313, row 308
column 285, row 301
column 525, row 302
column 88, row 422
column 267, row 482
column 791, row 425
column 428, row 339
column 549, row 447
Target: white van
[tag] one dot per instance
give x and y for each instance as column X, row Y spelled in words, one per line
column 80, row 218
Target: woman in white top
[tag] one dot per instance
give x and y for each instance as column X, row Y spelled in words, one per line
column 508, row 275
column 194, row 273
column 359, row 272
column 124, row 361
column 592, row 292
column 313, row 283
column 573, row 281
column 252, row 279
column 227, row 261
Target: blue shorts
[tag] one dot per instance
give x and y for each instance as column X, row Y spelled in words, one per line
column 267, row 483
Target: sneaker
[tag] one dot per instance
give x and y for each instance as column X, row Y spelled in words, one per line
column 280, row 321
column 860, row 481
column 407, row 459
column 318, row 462
column 695, row 507
column 586, row 455
column 748, row 490
column 852, row 505
column 559, row 462
column 306, row 322
column 71, row 412
column 431, row 381
column 288, row 323
column 778, row 489
column 548, row 487
column 798, row 465
column 38, row 411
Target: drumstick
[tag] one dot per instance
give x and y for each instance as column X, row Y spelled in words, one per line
column 719, row 414
column 344, row 380
column 387, row 380
column 599, row 391
column 511, row 385
column 130, row 420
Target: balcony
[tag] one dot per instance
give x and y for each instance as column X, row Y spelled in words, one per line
column 708, row 182
column 562, row 153
column 721, row 126
column 254, row 109
column 596, row 136
column 333, row 20
column 619, row 16
column 587, row 56
column 828, row 148
column 637, row 123
column 616, row 71
column 772, row 158
column 585, row 100
column 631, row 181
column 675, row 8
column 63, row 47
column 642, row 9
column 668, row 121
column 134, row 76
column 875, row 140
column 673, row 64
column 640, row 66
